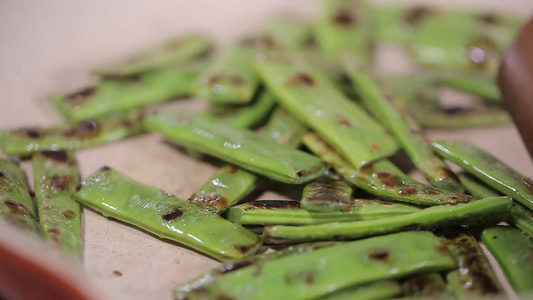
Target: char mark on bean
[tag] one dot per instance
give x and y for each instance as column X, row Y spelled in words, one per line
column 80, row 97
column 173, row 215
column 60, row 156
column 408, row 191
column 274, row 204
column 388, row 179
column 16, row 207
column 414, row 16
column 379, row 255
column 68, row 214
column 60, row 182
column 344, row 17
column 300, row 80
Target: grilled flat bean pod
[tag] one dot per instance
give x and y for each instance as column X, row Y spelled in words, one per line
column 486, row 211
column 171, row 53
column 313, row 99
column 426, row 286
column 369, row 260
column 240, row 147
column 112, row 95
column 25, row 141
column 344, row 28
column 326, row 194
column 488, row 169
column 251, row 261
column 514, row 253
column 385, row 289
column 279, row 212
column 244, row 116
column 55, row 175
column 475, row 84
column 382, row 178
column 520, row 215
column 390, row 111
column 475, row 278
column 230, row 78
column 16, row 205
column 230, row 184
column 115, row 195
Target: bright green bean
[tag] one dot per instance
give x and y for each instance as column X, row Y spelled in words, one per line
column 55, row 175
column 486, row 211
column 383, row 179
column 113, row 194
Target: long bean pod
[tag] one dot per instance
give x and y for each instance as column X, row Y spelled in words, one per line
column 172, row 53
column 243, row 148
column 383, row 179
column 380, row 258
column 16, row 205
column 113, row 194
column 244, row 116
column 313, row 99
column 55, row 175
column 112, row 95
column 396, row 118
column 514, row 253
column 27, row 140
column 475, row 278
column 486, row 211
column 280, row 212
column 488, row 169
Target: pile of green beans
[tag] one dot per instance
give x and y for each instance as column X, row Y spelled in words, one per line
column 299, row 103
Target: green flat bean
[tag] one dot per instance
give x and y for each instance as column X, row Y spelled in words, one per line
column 488, row 169
column 236, row 264
column 344, row 28
column 16, row 205
column 284, row 129
column 312, row 98
column 326, row 194
column 437, row 117
column 230, row 78
column 244, row 116
column 280, row 212
column 243, row 148
column 486, row 211
column 475, row 278
column 112, row 95
column 426, row 286
column 172, row 53
column 381, row 258
column 25, row 141
column 520, row 215
column 230, row 184
column 385, row 289
column 514, row 253
column 383, row 179
column 396, row 118
column 113, row 194
column 55, row 175
column 475, row 84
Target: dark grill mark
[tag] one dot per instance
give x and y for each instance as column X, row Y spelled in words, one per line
column 243, row 248
column 213, row 201
column 344, row 17
column 32, row 133
column 175, row 214
column 80, row 97
column 414, row 16
column 431, row 191
column 237, row 80
column 489, row 18
column 300, row 80
column 60, row 182
column 305, row 276
column 381, row 255
column 233, row 169
column 105, row 168
column 54, row 234
column 2, row 174
column 58, row 156
column 408, row 191
column 16, row 207
column 83, row 130
column 388, row 179
column 117, row 273
column 273, row 204
column 375, row 147
column 345, row 123
column 68, row 214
